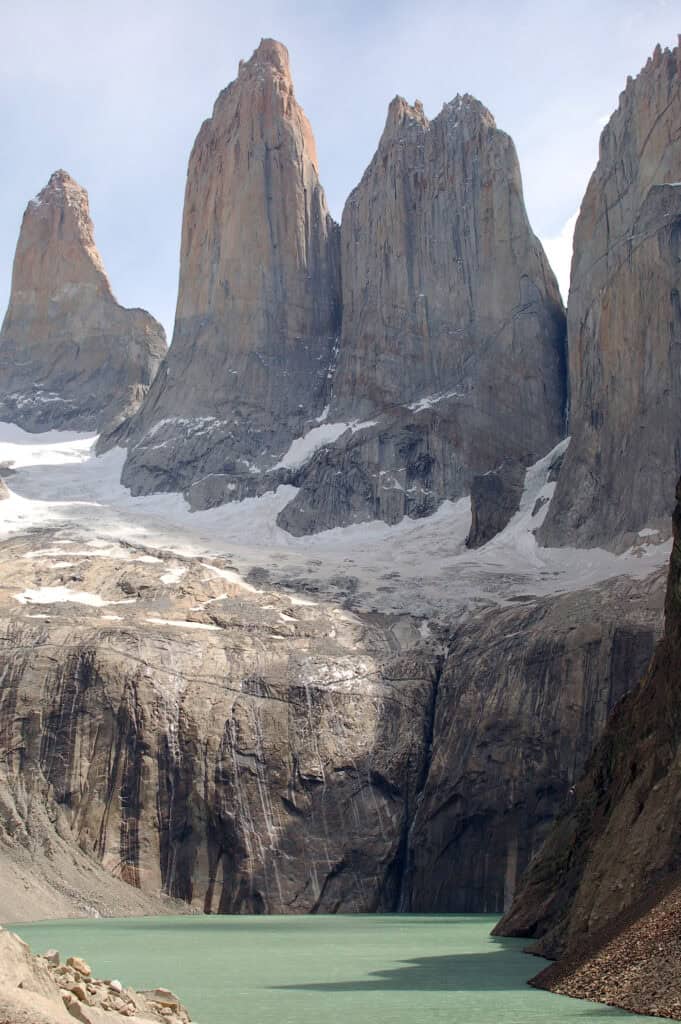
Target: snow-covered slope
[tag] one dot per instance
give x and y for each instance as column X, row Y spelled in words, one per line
column 421, row 567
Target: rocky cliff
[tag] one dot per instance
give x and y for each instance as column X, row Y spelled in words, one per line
column 70, row 356
column 619, row 842
column 524, row 694
column 250, row 751
column 624, row 323
column 258, row 310
column 452, row 347
column 451, row 357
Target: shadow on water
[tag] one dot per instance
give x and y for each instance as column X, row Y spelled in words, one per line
column 461, row 972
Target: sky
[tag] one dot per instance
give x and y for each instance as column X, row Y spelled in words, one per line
column 115, row 94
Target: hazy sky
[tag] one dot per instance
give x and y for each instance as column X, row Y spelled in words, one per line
column 115, row 94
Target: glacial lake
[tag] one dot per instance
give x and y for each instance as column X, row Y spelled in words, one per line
column 354, row 969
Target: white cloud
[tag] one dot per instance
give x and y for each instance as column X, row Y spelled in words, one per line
column 559, row 252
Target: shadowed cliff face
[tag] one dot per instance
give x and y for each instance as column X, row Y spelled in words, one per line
column 249, row 751
column 624, row 323
column 620, row 840
column 70, row 356
column 258, row 309
column 524, row 694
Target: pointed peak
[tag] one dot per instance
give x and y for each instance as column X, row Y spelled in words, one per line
column 401, row 113
column 61, row 188
column 270, row 54
column 467, row 108
column 60, row 179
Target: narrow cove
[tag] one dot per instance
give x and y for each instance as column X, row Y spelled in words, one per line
column 367, row 969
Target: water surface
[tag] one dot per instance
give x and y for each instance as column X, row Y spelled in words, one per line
column 354, row 969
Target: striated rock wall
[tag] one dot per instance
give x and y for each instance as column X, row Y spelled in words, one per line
column 70, row 356
column 620, row 840
column 524, row 694
column 452, row 345
column 258, row 310
column 249, row 751
column 242, row 751
column 624, row 323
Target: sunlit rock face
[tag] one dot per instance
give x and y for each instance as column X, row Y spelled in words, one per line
column 250, row 751
column 624, row 323
column 70, row 355
column 452, row 346
column 258, row 309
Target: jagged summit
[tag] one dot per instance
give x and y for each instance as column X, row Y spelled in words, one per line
column 463, row 109
column 467, row 110
column 402, row 113
column 270, row 54
column 70, row 355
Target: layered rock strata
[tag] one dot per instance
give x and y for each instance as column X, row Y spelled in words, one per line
column 71, row 357
column 258, row 309
column 251, row 751
column 624, row 323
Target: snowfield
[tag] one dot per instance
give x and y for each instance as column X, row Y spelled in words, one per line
column 419, row 567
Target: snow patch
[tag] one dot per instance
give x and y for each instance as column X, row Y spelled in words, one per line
column 59, row 595
column 173, row 575
column 182, row 624
column 303, row 448
column 430, row 400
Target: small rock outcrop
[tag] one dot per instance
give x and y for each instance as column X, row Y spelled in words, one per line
column 495, row 498
column 619, row 841
column 70, row 356
column 258, row 310
column 41, row 990
column 451, row 358
column 624, row 324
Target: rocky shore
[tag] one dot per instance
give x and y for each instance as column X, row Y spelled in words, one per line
column 633, row 964
column 43, row 990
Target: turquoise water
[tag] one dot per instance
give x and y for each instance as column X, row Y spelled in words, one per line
column 354, row 969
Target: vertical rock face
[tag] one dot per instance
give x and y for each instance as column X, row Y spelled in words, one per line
column 259, row 294
column 250, row 752
column 523, row 696
column 444, row 285
column 453, row 328
column 624, row 322
column 619, row 842
column 70, row 355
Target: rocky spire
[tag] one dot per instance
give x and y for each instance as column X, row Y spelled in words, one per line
column 259, row 294
column 624, row 323
column 444, row 284
column 70, row 356
column 453, row 327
